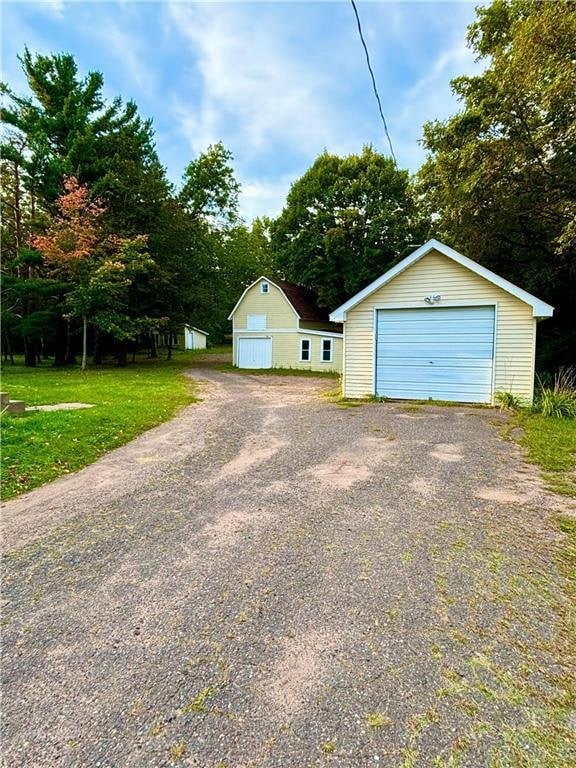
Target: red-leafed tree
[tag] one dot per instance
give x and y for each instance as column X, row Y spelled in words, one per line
column 72, row 241
column 102, row 268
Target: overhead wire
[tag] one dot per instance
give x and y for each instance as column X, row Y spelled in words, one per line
column 374, row 86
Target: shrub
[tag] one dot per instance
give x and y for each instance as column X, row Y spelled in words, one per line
column 558, row 400
column 508, row 401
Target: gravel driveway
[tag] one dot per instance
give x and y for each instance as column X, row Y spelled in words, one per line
column 271, row 579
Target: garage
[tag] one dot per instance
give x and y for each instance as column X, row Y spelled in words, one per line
column 254, row 352
column 439, row 325
column 443, row 353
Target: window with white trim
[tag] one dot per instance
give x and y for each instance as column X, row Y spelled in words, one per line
column 264, row 287
column 305, row 350
column 326, row 350
column 256, row 322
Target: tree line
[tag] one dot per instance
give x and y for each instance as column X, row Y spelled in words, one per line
column 98, row 247
column 101, row 252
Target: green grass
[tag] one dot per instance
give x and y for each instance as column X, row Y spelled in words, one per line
column 42, row 446
column 550, row 443
column 278, row 371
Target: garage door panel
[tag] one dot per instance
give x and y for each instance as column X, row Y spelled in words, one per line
column 440, row 374
column 440, row 353
column 444, row 362
column 423, row 350
column 255, row 352
column 449, row 327
column 455, row 394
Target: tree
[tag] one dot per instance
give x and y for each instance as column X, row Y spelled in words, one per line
column 347, row 220
column 500, row 177
column 70, row 245
column 209, row 190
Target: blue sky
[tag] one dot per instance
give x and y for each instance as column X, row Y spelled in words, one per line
column 277, row 82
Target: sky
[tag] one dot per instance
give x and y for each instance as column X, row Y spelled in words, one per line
column 276, row 82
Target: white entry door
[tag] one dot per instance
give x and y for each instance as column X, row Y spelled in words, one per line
column 254, row 352
column 443, row 353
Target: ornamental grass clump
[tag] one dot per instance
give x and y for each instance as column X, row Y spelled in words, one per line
column 558, row 400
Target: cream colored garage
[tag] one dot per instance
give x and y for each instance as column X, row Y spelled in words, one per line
column 276, row 324
column 438, row 325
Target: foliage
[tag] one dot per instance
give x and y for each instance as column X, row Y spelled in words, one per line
column 133, row 256
column 559, row 400
column 45, row 445
column 508, row 401
column 210, row 191
column 500, row 177
column 347, row 220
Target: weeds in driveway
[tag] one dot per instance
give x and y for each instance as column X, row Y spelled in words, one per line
column 177, row 751
column 377, row 720
column 198, row 703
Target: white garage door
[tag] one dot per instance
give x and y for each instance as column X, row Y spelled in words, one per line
column 255, row 353
column 444, row 353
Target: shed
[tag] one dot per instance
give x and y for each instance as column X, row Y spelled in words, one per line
column 194, row 338
column 440, row 326
column 277, row 324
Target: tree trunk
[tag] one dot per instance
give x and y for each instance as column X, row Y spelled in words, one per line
column 169, row 355
column 70, row 351
column 29, row 353
column 153, row 348
column 17, row 209
column 84, row 341
column 97, row 355
column 7, row 348
column 121, row 354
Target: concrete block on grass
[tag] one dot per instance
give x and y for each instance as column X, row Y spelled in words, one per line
column 16, row 408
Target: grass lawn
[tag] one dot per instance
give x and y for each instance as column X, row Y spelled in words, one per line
column 42, row 446
column 279, row 371
column 551, row 443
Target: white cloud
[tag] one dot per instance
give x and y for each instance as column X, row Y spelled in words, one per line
column 55, row 8
column 259, row 198
column 128, row 49
column 256, row 91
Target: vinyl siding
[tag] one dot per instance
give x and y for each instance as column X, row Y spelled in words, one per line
column 515, row 334
column 286, row 350
column 276, row 307
column 282, row 327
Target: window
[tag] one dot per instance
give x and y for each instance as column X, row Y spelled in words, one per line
column 326, row 354
column 256, row 322
column 305, row 350
column 264, row 288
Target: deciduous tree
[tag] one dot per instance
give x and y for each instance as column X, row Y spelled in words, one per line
column 346, row 221
column 500, row 177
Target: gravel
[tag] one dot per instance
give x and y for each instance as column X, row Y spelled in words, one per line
column 254, row 582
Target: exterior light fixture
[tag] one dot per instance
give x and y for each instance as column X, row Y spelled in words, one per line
column 433, row 298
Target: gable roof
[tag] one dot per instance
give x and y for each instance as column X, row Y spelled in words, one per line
column 303, row 301
column 539, row 308
column 199, row 330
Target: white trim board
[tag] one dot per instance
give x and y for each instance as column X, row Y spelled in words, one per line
column 305, row 331
column 198, row 330
column 539, row 307
column 326, row 334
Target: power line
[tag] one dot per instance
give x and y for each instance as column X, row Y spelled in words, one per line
column 374, row 87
